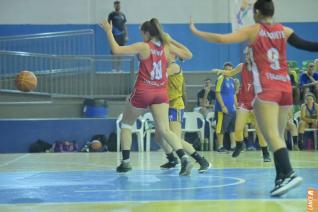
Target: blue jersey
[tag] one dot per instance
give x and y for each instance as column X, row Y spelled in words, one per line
column 304, row 79
column 225, row 86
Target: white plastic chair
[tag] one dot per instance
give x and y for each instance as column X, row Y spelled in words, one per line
column 191, row 124
column 314, row 130
column 210, row 118
column 139, row 131
column 148, row 120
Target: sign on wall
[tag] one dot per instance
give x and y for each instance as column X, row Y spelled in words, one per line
column 241, row 12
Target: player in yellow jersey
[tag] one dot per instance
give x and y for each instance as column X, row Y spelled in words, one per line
column 176, row 92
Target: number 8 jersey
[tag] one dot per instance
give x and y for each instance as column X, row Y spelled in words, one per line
column 269, row 62
column 153, row 70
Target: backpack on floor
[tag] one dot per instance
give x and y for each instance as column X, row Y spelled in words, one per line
column 65, row 146
column 40, row 146
column 112, row 142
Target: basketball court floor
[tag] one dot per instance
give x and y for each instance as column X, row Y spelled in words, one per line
column 88, row 182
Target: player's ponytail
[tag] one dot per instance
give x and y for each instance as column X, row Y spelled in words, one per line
column 154, row 29
column 161, row 35
column 266, row 7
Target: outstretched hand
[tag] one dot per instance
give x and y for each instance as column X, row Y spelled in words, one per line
column 106, row 25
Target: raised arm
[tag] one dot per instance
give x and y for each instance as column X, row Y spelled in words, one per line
column 228, row 73
column 298, row 42
column 244, row 34
column 185, row 51
column 179, row 50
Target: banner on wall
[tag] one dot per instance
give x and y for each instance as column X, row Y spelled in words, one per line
column 241, row 12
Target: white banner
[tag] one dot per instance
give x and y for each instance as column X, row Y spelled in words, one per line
column 241, row 12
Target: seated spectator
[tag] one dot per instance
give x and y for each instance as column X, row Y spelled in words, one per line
column 308, row 116
column 309, row 81
column 205, row 98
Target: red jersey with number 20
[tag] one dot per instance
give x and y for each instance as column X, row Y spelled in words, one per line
column 153, row 70
column 268, row 57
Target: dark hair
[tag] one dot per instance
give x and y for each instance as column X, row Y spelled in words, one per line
column 207, row 79
column 153, row 27
column 117, row 2
column 227, row 64
column 266, row 7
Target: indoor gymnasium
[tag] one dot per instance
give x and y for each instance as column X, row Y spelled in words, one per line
column 148, row 105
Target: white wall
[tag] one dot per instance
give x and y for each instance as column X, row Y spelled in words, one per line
column 167, row 11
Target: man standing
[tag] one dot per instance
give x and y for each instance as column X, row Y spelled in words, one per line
column 118, row 20
column 225, row 108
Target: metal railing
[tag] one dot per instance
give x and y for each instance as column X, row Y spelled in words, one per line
column 65, row 75
column 78, row 42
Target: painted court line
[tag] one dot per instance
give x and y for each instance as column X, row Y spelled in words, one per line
column 154, row 201
column 238, row 181
column 14, row 160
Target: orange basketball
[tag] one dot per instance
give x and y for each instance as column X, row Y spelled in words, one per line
column 96, row 145
column 26, row 81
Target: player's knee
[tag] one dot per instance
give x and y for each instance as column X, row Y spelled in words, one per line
column 162, row 131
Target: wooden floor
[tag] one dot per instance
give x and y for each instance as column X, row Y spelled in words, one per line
column 88, row 182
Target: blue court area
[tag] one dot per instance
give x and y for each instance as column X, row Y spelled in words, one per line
column 144, row 185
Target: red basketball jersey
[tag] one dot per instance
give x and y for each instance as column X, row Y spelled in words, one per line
column 246, row 92
column 269, row 63
column 153, row 70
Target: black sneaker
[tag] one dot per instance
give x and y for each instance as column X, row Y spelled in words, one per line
column 124, row 167
column 237, row 151
column 170, row 164
column 222, row 150
column 186, row 166
column 282, row 186
column 204, row 165
column 266, row 158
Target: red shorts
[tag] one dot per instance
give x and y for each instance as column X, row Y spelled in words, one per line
column 280, row 97
column 143, row 98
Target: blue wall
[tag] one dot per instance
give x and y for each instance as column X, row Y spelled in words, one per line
column 205, row 56
column 17, row 135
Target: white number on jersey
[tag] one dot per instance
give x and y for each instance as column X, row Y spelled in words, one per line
column 273, row 57
column 156, row 73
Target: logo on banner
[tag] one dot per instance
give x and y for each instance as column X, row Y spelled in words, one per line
column 241, row 13
column 312, row 200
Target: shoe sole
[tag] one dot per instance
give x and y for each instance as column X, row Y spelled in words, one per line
column 188, row 170
column 293, row 184
column 267, row 160
column 235, row 156
column 175, row 167
column 205, row 170
column 123, row 171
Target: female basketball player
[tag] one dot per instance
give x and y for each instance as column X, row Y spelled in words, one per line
column 244, row 114
column 176, row 92
column 150, row 88
column 272, row 86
